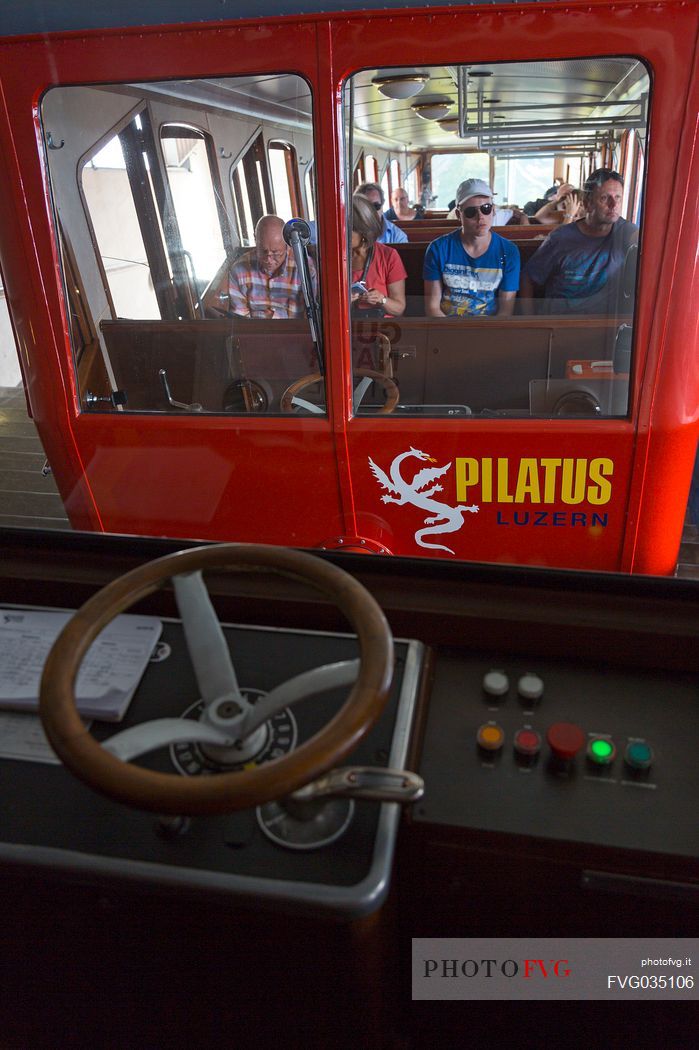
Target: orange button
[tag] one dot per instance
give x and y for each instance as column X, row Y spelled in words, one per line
column 490, row 737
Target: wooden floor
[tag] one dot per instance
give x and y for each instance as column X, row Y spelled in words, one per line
column 29, row 497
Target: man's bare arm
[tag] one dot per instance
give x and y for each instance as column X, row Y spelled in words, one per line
column 527, row 290
column 433, row 299
column 506, row 303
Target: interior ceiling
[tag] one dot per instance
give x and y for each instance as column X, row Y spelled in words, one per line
column 532, row 93
column 499, row 97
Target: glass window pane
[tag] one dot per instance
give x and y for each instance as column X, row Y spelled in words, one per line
column 114, row 220
column 194, row 199
column 449, row 169
column 533, row 319
column 280, row 182
column 198, row 310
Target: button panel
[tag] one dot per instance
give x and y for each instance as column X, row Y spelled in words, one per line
column 621, row 776
column 565, row 739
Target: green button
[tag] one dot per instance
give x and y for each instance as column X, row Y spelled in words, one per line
column 601, row 751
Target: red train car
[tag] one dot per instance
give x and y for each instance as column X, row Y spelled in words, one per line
column 135, row 165
column 187, row 240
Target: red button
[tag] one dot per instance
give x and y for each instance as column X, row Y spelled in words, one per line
column 565, row 739
column 527, row 742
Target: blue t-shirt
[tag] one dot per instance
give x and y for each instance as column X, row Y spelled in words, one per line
column 471, row 286
column 392, row 234
column 581, row 274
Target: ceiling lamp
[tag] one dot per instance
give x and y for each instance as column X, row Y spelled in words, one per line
column 401, row 85
column 431, row 110
column 449, row 124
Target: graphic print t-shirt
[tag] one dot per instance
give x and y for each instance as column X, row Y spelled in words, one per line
column 581, row 274
column 470, row 286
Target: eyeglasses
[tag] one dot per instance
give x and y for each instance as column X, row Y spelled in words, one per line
column 264, row 254
column 472, row 210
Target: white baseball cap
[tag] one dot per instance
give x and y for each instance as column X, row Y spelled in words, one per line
column 472, row 188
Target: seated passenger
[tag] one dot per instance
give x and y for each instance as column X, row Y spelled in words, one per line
column 376, row 267
column 401, row 209
column 532, row 207
column 471, row 271
column 564, row 207
column 265, row 283
column 580, row 265
column 390, row 234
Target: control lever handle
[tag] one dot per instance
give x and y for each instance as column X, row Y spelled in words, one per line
column 370, row 782
column 195, row 407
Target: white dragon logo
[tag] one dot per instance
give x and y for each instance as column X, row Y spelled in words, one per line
column 445, row 519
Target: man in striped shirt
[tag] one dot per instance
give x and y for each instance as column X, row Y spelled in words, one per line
column 265, row 282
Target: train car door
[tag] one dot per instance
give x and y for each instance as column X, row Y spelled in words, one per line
column 541, row 437
column 157, row 396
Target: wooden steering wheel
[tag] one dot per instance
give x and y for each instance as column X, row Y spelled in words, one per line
column 225, row 792
column 389, row 385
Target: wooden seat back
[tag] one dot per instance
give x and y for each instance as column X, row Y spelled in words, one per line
column 484, row 364
column 203, row 358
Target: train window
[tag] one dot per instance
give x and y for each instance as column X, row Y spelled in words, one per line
column 385, row 184
column 358, row 173
column 252, row 188
column 447, row 171
column 283, row 169
column 118, row 231
column 309, row 183
column 410, row 180
column 183, row 294
column 371, row 168
column 197, row 198
column 394, row 175
column 520, row 302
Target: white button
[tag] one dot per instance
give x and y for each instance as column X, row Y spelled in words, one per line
column 496, row 683
column 530, row 687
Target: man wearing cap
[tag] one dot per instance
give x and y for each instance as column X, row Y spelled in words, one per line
column 472, row 271
column 580, row 266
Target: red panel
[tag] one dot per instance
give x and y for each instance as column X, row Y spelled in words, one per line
column 555, row 498
column 213, row 478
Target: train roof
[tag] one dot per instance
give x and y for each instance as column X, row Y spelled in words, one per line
column 19, row 17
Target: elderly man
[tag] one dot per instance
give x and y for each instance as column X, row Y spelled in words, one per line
column 471, row 271
column 580, row 265
column 265, row 282
column 390, row 233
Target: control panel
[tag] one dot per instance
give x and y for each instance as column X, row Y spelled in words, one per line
column 598, row 755
column 340, row 865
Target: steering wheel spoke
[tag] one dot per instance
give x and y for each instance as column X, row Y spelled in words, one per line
column 300, row 687
column 162, row 732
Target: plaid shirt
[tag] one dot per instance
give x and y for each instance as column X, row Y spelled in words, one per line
column 253, row 293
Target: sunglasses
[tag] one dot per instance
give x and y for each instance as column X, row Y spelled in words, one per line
column 472, row 210
column 378, row 205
